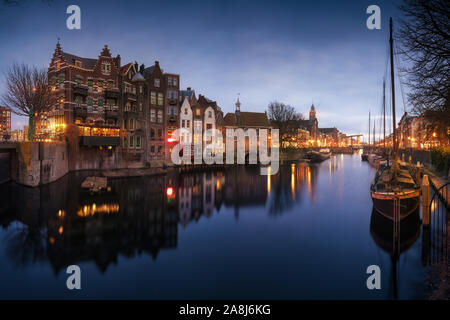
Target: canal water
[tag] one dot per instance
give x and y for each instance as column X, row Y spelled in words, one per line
column 306, row 233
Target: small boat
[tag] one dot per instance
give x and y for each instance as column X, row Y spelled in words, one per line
column 318, row 156
column 365, row 157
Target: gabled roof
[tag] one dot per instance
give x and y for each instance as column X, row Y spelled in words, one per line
column 148, row 72
column 187, row 93
column 86, row 63
column 125, row 68
column 247, row 119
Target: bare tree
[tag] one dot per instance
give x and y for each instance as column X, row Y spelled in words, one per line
column 281, row 116
column 27, row 92
column 424, row 35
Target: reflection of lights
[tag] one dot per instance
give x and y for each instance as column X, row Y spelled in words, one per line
column 61, row 213
column 293, row 180
column 60, row 230
column 269, row 173
column 433, row 206
column 51, row 240
column 218, row 186
column 93, row 209
column 170, row 140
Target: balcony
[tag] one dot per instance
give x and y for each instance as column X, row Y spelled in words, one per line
column 80, row 112
column 111, row 93
column 111, row 114
column 130, row 96
column 97, row 141
column 80, row 90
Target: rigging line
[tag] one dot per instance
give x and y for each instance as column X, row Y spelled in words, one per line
column 400, row 79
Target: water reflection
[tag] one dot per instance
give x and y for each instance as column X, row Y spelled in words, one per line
column 64, row 225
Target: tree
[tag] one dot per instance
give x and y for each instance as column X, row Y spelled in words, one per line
column 27, row 93
column 424, row 35
column 282, row 115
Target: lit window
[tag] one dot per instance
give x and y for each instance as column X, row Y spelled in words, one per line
column 153, row 115
column 106, row 68
column 160, row 99
column 197, row 111
column 153, row 97
column 160, row 116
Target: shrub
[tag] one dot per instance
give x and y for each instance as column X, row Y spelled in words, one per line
column 440, row 158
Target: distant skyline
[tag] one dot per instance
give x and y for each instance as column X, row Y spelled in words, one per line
column 288, row 51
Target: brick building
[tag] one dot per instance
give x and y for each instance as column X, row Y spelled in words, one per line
column 5, row 123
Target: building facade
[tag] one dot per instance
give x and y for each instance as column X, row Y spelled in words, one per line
column 5, row 123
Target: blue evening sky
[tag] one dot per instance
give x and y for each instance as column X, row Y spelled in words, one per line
column 295, row 52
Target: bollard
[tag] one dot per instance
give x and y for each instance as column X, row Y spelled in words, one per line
column 425, row 201
column 418, row 172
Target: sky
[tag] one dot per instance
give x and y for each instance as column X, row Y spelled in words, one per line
column 295, row 52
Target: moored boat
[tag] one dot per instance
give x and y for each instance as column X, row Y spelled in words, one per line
column 318, row 156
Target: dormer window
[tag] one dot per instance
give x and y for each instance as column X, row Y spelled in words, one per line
column 106, row 68
column 78, row 63
column 157, row 83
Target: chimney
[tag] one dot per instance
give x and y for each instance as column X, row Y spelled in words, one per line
column 136, row 66
column 141, row 69
column 156, row 63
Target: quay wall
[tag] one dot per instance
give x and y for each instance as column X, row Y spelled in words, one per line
column 37, row 163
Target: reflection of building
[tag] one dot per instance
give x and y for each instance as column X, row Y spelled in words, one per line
column 5, row 123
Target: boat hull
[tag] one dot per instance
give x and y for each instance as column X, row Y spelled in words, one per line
column 364, row 157
column 383, row 202
column 314, row 156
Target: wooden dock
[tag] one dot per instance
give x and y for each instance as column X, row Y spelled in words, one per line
column 95, row 184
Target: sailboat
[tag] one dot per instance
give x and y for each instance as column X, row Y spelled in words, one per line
column 395, row 193
column 365, row 155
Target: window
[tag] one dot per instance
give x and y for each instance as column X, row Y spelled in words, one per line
column 100, row 85
column 90, row 82
column 157, row 83
column 110, row 84
column 78, row 63
column 210, row 114
column 131, row 142
column 125, row 142
column 175, row 81
column 131, row 125
column 140, row 89
column 61, row 78
column 152, row 134
column 182, row 123
column 78, row 81
column 169, row 81
column 160, row 116
column 100, row 102
column 188, row 123
column 58, row 64
column 160, row 99
column 111, row 102
column 208, row 126
column 78, row 101
column 106, row 68
column 197, row 111
column 152, row 149
column 153, row 97
column 185, row 111
column 172, row 94
column 159, row 149
column 140, row 106
column 153, row 115
column 138, row 142
column 90, row 101
column 159, row 133
column 128, row 106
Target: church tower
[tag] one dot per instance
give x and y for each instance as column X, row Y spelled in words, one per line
column 238, row 106
column 312, row 112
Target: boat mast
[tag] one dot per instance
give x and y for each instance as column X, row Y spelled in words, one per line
column 369, row 129
column 374, row 132
column 391, row 45
column 384, row 113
